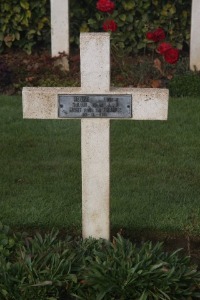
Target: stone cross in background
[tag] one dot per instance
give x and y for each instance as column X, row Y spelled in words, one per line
column 195, row 36
column 95, row 103
column 60, row 31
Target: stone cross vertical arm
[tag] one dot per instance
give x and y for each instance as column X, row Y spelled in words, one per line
column 95, row 137
column 60, row 30
column 95, row 103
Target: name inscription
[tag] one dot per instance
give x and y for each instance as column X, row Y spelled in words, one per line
column 94, row 106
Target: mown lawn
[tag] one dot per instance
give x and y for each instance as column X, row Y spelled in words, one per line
column 155, row 171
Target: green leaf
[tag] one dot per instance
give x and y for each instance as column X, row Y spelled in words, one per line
column 157, row 266
column 5, row 293
column 5, row 6
column 39, row 237
column 44, row 283
column 130, row 18
column 92, row 21
column 155, row 2
column 144, row 296
column 123, row 17
column 17, row 9
column 141, row 45
column 84, row 28
column 128, row 5
column 24, row 4
column 17, row 36
column 73, row 277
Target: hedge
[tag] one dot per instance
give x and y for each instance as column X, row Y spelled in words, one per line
column 26, row 23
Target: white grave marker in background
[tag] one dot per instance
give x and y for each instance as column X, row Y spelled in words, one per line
column 195, row 36
column 60, row 30
column 95, row 104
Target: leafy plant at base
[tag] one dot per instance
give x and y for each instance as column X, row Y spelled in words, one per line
column 48, row 268
column 7, row 242
column 41, row 270
column 124, row 271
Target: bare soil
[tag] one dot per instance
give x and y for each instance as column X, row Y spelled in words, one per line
column 18, row 69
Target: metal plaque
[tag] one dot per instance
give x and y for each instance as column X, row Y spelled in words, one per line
column 94, row 106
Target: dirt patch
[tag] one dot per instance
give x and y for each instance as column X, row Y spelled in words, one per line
column 190, row 244
column 18, row 69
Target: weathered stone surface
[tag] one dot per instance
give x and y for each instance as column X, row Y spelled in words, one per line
column 60, row 30
column 147, row 104
column 194, row 38
column 95, row 134
column 95, row 62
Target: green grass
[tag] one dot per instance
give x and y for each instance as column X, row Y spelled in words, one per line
column 155, row 171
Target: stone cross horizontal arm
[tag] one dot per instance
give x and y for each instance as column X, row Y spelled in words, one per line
column 147, row 104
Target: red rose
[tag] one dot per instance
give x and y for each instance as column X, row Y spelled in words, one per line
column 105, row 6
column 156, row 36
column 109, row 25
column 171, row 56
column 149, row 35
column 163, row 47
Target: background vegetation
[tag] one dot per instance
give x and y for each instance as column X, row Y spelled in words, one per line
column 25, row 24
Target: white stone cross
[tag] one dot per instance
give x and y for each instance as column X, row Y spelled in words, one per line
column 43, row 103
column 194, row 37
column 60, row 30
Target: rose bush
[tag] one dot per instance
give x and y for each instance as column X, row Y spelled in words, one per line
column 105, row 6
column 163, row 47
column 135, row 18
column 156, row 36
column 109, row 25
column 171, row 55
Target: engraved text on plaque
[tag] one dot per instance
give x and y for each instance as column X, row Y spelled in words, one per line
column 95, row 106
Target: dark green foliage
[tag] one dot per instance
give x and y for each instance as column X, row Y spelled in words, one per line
column 123, row 271
column 135, row 18
column 80, row 12
column 41, row 268
column 185, row 85
column 46, row 267
column 26, row 24
column 7, row 243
